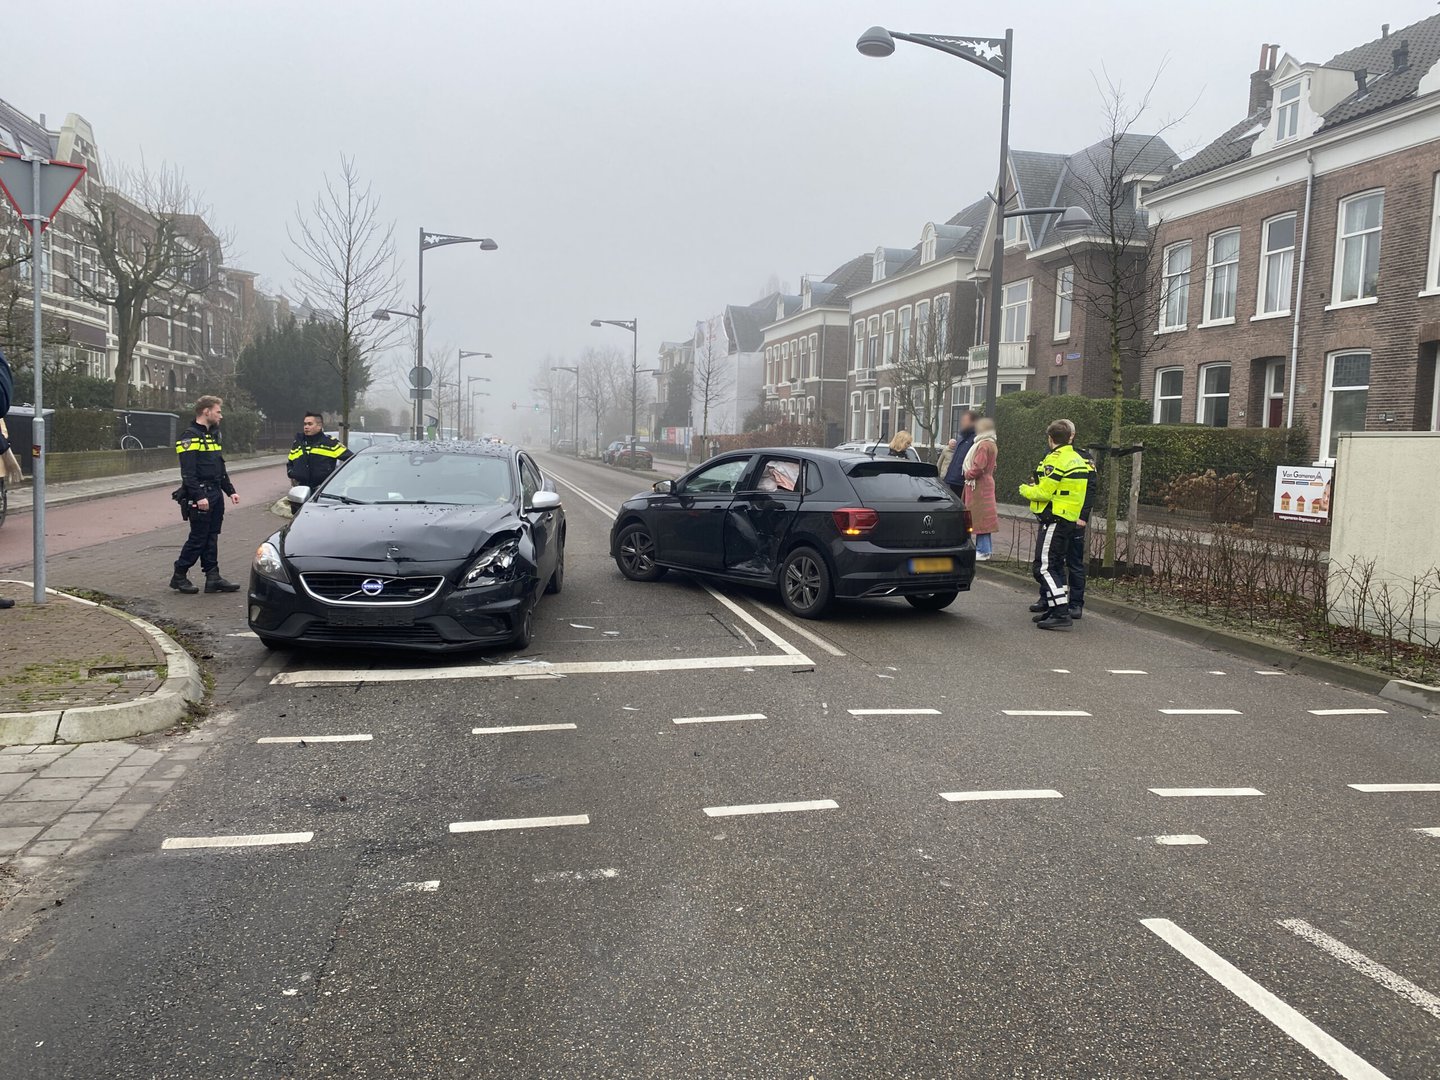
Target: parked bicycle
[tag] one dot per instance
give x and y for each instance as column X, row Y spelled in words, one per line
column 129, row 441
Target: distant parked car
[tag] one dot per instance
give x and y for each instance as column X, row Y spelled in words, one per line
column 874, row 448
column 636, row 457
column 565, row 446
column 363, row 440
column 608, row 454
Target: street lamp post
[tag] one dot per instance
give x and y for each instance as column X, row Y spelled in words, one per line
column 631, row 325
column 465, row 354
column 470, row 393
column 430, row 240
column 576, row 433
column 995, row 55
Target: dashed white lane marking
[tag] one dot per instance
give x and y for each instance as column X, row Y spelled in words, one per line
column 808, row 635
column 984, row 796
column 1061, row 670
column 577, row 875
column 893, row 712
column 1045, row 712
column 1395, row 787
column 1201, row 712
column 1127, row 671
column 1215, row 673
column 717, row 719
column 771, row 808
column 361, row 676
column 418, row 886
column 498, row 824
column 173, row 843
column 1203, row 792
column 1270, row 673
column 1348, row 712
column 521, row 727
column 1303, row 1030
column 314, row 738
column 765, row 631
column 1396, row 984
column 1179, row 840
column 1429, row 832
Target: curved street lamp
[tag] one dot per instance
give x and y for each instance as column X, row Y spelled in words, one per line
column 632, row 326
column 430, row 240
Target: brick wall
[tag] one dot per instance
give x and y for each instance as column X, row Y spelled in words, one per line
column 92, row 464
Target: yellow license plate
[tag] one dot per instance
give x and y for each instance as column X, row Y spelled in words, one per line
column 931, row 566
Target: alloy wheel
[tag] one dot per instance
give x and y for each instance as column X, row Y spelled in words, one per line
column 638, row 552
column 802, row 581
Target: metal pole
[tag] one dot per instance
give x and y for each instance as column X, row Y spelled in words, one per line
column 997, row 261
column 577, row 412
column 420, row 339
column 634, row 384
column 37, row 452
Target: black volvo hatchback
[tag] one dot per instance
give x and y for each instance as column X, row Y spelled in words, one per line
column 414, row 545
column 816, row 524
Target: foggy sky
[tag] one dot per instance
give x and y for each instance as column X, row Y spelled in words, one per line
column 633, row 158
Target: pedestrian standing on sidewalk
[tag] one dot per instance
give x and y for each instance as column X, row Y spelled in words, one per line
column 978, row 469
column 902, row 441
column 1056, row 499
column 314, row 455
column 7, row 388
column 205, row 485
column 954, row 476
column 946, row 456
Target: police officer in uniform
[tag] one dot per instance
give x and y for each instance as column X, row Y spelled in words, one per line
column 314, row 456
column 1076, row 558
column 205, row 485
column 1056, row 498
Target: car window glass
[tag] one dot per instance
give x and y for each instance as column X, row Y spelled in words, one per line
column 721, row 477
column 530, row 481
column 897, row 480
column 430, row 477
column 779, row 475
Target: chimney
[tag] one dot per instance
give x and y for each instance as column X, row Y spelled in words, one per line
column 1360, row 76
column 1384, row 31
column 1401, row 56
column 1260, row 79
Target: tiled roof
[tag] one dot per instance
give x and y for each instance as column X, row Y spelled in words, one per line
column 1234, row 145
column 847, row 277
column 972, row 219
column 745, row 323
column 21, row 132
column 1088, row 177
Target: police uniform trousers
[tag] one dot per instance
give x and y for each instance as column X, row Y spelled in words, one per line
column 1076, row 566
column 1052, row 549
column 203, row 543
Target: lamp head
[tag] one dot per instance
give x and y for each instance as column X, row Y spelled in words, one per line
column 488, row 245
column 381, row 316
column 876, row 42
column 596, row 322
column 1074, row 219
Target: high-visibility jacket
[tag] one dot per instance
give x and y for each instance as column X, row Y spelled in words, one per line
column 1060, row 484
column 202, row 463
column 314, row 457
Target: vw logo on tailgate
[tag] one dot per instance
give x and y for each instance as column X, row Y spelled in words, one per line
column 372, row 586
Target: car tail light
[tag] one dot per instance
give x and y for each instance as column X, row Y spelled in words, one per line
column 968, row 529
column 855, row 520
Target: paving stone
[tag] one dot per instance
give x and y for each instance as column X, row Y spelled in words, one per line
column 186, row 753
column 31, row 813
column 51, row 790
column 70, row 827
column 10, row 781
column 27, row 764
column 12, row 839
column 99, row 800
column 48, row 849
column 71, row 766
column 21, row 749
column 123, row 777
column 147, row 791
column 124, row 817
column 168, row 772
column 144, row 757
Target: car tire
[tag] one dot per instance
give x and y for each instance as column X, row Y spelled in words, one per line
column 805, row 585
column 635, row 554
column 526, row 631
column 557, row 579
column 932, row 601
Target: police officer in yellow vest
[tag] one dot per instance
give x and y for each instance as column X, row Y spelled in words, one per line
column 204, row 487
column 1056, row 498
column 314, row 455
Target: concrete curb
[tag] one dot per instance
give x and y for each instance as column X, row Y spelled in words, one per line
column 170, row 482
column 94, row 723
column 1242, row 645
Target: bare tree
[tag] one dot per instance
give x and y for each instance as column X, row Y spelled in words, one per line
column 925, row 368
column 709, row 379
column 154, row 249
column 600, row 374
column 345, row 264
column 1118, row 273
column 16, row 327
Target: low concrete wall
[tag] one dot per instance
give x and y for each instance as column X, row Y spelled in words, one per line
column 1385, row 515
column 93, row 464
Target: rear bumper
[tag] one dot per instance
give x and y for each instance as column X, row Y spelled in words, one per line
column 863, row 569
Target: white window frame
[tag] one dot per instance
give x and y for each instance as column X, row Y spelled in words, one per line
column 1327, row 403
column 905, row 330
column 887, row 353
column 884, row 420
column 1342, row 237
column 942, row 322
column 1008, row 306
column 1287, row 112
column 1014, row 231
column 872, row 342
column 1201, row 396
column 814, row 372
column 927, row 247
column 1432, row 267
column 857, row 360
column 1176, row 283
column 1064, row 302
column 784, row 375
column 869, row 429
column 857, row 405
column 1158, row 398
column 1287, row 254
column 922, row 329
column 1232, row 274
column 1272, row 389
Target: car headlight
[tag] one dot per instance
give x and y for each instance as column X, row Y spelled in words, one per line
column 495, row 564
column 268, row 563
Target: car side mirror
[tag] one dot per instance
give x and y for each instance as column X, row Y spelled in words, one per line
column 543, row 501
column 298, row 494
column 664, row 487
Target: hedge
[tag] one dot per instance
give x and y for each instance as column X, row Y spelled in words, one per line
column 240, row 429
column 76, row 430
column 1020, row 423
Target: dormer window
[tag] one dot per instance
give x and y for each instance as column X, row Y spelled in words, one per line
column 877, row 272
column 927, row 246
column 779, row 307
column 1287, row 112
column 1013, row 234
column 806, row 298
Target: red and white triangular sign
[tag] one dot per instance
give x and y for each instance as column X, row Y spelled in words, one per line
column 57, row 180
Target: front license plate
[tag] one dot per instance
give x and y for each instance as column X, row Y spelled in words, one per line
column 932, row 566
column 379, row 620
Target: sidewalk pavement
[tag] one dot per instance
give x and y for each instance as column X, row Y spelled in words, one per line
column 22, row 498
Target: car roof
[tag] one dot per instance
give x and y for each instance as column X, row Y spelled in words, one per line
column 814, row 453
column 443, row 446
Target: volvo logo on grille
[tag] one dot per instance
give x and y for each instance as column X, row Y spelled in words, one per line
column 372, row 586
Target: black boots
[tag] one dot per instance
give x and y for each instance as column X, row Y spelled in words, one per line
column 1039, row 606
column 215, row 583
column 1059, row 619
column 180, row 583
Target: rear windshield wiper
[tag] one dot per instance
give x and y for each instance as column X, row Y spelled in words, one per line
column 934, row 498
column 341, row 498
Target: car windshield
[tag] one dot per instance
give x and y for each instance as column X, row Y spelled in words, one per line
column 423, row 477
column 897, row 480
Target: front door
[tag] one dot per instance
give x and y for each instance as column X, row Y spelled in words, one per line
column 760, row 516
column 542, row 524
column 689, row 526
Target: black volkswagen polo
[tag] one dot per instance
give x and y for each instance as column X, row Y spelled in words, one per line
column 414, row 545
column 816, row 524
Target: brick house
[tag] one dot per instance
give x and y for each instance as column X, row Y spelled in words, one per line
column 918, row 298
column 1301, row 251
column 806, row 347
